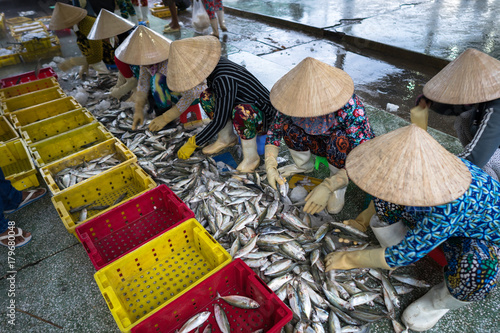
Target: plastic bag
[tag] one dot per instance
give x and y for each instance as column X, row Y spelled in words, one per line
column 201, row 21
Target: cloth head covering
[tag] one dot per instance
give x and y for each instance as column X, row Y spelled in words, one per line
column 109, row 25
column 143, row 47
column 65, row 16
column 191, row 61
column 473, row 77
column 312, row 89
column 408, row 167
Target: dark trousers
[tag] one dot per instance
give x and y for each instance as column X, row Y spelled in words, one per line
column 10, row 198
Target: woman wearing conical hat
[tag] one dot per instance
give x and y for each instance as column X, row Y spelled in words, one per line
column 318, row 114
column 425, row 197
column 109, row 26
column 469, row 87
column 150, row 50
column 235, row 100
column 96, row 54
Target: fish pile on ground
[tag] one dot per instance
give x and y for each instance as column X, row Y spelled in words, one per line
column 252, row 221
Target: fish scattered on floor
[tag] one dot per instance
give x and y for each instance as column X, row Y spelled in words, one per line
column 285, row 247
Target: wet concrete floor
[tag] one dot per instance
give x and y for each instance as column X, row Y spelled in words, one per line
column 55, row 278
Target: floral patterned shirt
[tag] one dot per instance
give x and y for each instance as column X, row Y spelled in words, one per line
column 351, row 118
column 476, row 214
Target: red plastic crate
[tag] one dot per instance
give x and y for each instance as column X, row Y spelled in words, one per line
column 27, row 77
column 119, row 231
column 235, row 278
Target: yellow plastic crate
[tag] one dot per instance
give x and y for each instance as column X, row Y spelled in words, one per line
column 54, row 50
column 52, row 149
column 30, row 99
column 112, row 146
column 17, row 21
column 42, row 111
column 55, row 125
column 17, row 165
column 7, row 132
column 27, row 27
column 160, row 11
column 28, row 87
column 10, row 59
column 154, row 275
column 104, row 189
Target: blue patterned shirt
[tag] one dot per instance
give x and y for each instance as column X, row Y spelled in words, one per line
column 476, row 214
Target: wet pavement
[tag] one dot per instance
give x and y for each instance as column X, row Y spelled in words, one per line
column 55, row 277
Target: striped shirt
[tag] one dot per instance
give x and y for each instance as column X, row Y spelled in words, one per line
column 232, row 84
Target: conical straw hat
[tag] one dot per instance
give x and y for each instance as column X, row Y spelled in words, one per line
column 65, row 16
column 191, row 61
column 143, row 47
column 108, row 25
column 408, row 167
column 473, row 77
column 312, row 89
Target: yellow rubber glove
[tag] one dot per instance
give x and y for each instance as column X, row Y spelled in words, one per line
column 317, row 199
column 140, row 100
column 271, row 156
column 188, row 149
column 363, row 220
column 161, row 121
column 373, row 258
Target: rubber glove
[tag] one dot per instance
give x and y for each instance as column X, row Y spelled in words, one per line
column 100, row 67
column 271, row 156
column 187, row 149
column 317, row 199
column 161, row 121
column 140, row 101
column 363, row 220
column 373, row 258
column 69, row 63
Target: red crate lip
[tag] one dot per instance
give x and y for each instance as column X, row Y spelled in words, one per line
column 112, row 235
column 27, row 77
column 235, row 278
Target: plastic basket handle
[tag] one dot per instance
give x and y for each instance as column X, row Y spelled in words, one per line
column 26, row 137
column 125, row 151
column 62, row 213
column 178, row 202
column 89, row 116
column 49, row 180
column 262, row 283
column 76, row 105
column 37, row 157
column 14, row 120
column 60, row 91
column 89, row 246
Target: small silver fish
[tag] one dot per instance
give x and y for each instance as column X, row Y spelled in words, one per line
column 240, row 301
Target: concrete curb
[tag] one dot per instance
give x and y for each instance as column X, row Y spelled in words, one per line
column 375, row 48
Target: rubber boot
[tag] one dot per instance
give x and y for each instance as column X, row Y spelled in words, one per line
column 133, row 19
column 225, row 139
column 337, row 199
column 426, row 311
column 121, row 81
column 119, row 92
column 138, row 12
column 215, row 27
column 251, row 159
column 302, row 163
column 145, row 11
column 222, row 23
column 387, row 235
